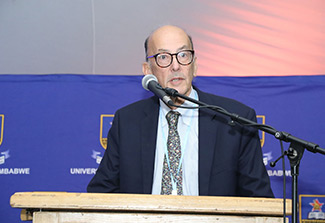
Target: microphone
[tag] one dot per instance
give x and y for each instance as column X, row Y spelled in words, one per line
column 150, row 83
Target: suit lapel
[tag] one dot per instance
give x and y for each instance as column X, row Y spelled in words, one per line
column 148, row 134
column 207, row 142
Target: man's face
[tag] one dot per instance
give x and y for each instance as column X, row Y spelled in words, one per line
column 171, row 39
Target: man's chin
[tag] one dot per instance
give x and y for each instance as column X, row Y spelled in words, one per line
column 181, row 89
column 183, row 92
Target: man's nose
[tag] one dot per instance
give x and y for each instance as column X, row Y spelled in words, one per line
column 175, row 65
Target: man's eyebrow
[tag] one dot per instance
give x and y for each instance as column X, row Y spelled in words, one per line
column 163, row 50
column 181, row 48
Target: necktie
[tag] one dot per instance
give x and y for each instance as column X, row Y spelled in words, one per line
column 172, row 172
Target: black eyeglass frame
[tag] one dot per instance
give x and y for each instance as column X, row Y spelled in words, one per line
column 172, row 57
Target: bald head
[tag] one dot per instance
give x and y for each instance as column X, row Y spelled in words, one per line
column 165, row 32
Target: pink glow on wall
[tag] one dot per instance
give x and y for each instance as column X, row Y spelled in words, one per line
column 261, row 38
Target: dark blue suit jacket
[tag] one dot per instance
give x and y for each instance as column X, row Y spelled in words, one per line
column 230, row 158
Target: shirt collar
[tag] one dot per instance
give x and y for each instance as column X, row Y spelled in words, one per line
column 186, row 114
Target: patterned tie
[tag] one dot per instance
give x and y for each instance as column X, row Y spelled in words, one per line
column 174, row 154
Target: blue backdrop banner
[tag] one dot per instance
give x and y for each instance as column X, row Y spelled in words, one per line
column 54, row 127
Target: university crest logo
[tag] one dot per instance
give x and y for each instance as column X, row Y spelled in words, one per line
column 97, row 154
column 105, row 124
column 5, row 154
column 2, row 121
column 261, row 120
column 311, row 208
column 266, row 156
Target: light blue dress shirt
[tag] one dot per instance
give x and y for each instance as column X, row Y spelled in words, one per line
column 188, row 131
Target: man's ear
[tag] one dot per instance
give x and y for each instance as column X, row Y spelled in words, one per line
column 195, row 67
column 146, row 68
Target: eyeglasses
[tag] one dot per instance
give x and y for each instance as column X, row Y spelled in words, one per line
column 163, row 60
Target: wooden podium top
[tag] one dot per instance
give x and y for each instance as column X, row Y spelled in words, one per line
column 151, row 203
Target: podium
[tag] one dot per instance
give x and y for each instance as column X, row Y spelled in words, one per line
column 64, row 207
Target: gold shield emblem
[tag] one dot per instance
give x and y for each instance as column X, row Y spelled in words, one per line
column 261, row 120
column 105, row 125
column 2, row 122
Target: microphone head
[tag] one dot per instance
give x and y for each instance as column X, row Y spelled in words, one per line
column 146, row 79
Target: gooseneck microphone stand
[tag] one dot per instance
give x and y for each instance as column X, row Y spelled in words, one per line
column 294, row 153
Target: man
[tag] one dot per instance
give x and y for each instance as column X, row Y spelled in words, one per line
column 199, row 155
